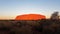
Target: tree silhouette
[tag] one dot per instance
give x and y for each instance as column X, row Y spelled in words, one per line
column 55, row 15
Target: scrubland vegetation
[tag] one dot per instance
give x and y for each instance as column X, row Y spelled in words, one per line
column 44, row 26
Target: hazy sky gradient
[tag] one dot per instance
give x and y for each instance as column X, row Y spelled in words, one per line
column 9, row 9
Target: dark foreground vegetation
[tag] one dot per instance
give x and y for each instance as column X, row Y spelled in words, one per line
column 45, row 26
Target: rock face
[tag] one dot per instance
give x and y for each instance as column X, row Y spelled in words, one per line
column 30, row 17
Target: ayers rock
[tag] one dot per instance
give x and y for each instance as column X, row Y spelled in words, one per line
column 30, row 17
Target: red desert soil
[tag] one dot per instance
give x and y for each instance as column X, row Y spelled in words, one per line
column 30, row 17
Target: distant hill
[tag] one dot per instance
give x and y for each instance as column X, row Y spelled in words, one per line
column 30, row 17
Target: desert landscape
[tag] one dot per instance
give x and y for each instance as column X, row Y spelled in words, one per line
column 29, row 16
column 31, row 24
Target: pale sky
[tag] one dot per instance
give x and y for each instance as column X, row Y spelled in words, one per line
column 9, row 9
